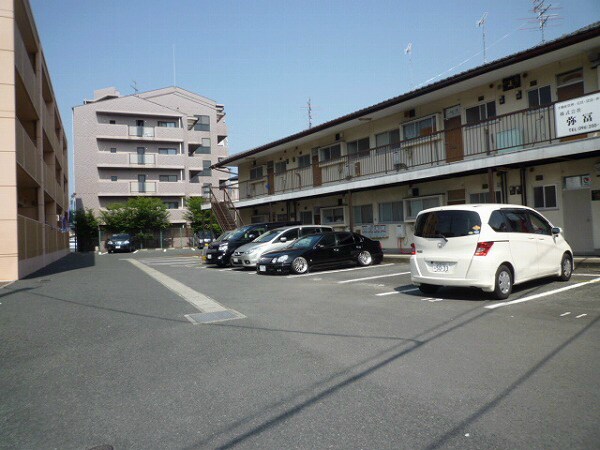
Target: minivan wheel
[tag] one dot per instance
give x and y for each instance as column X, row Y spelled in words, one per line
column 504, row 283
column 428, row 289
column 299, row 265
column 364, row 258
column 566, row 267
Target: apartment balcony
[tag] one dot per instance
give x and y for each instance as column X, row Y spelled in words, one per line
column 136, row 188
column 31, row 237
column 28, row 156
column 133, row 160
column 122, row 132
column 509, row 134
column 26, row 70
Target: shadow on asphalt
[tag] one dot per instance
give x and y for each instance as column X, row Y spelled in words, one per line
column 72, row 261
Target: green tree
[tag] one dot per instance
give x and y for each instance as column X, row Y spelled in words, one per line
column 139, row 216
column 200, row 219
column 86, row 230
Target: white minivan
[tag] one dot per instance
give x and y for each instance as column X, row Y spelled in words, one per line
column 488, row 246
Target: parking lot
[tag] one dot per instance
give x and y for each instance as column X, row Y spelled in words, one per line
column 113, row 350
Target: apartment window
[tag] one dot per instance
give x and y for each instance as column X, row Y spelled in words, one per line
column 280, row 167
column 303, row 161
column 113, row 178
column 167, row 178
column 113, row 150
column 539, row 97
column 391, row 212
column 363, row 214
column 167, row 124
column 206, row 170
column 172, row 205
column 167, row 151
column 544, row 197
column 112, row 122
column 419, row 128
column 203, row 123
column 206, row 189
column 413, row 206
column 387, row 141
column 480, row 113
column 222, row 185
column 456, row 197
column 332, row 216
column 484, row 197
column 330, row 153
column 306, row 217
column 359, row 147
column 256, row 173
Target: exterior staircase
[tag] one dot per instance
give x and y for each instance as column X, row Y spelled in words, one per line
column 223, row 209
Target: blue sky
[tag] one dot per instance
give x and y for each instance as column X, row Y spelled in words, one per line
column 263, row 59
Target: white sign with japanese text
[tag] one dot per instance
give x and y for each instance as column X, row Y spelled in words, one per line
column 578, row 115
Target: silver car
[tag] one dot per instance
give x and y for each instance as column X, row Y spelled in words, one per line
column 248, row 254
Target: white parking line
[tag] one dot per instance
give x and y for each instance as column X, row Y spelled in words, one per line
column 339, row 270
column 382, row 294
column 565, row 314
column 372, row 278
column 543, row 294
column 585, row 274
column 580, row 316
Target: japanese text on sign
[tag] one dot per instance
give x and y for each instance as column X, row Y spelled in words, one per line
column 577, row 115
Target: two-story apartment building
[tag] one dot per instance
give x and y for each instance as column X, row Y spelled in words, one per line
column 523, row 129
column 34, row 171
column 160, row 143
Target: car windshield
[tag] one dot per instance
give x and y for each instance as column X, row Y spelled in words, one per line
column 223, row 237
column 240, row 233
column 306, row 242
column 447, row 224
column 120, row 237
column 268, row 236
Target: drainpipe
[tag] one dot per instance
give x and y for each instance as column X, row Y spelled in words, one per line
column 491, row 185
column 523, row 186
column 350, row 211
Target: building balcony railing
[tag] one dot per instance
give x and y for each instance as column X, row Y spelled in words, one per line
column 148, row 187
column 28, row 156
column 127, row 132
column 142, row 160
column 30, row 237
column 26, row 70
column 514, row 132
column 141, row 131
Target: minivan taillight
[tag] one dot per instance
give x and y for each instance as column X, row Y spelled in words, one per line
column 483, row 248
column 413, row 249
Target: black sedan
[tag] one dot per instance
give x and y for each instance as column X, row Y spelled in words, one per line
column 120, row 243
column 319, row 250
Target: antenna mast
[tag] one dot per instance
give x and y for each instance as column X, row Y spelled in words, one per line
column 481, row 24
column 408, row 51
column 309, row 109
column 543, row 18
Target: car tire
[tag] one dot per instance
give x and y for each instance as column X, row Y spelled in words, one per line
column 503, row 283
column 566, row 267
column 364, row 258
column 428, row 289
column 299, row 265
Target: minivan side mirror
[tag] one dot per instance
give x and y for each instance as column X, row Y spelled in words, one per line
column 556, row 230
column 251, row 236
column 283, row 239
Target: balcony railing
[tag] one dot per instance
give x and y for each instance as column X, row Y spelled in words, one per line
column 508, row 133
column 28, row 156
column 148, row 187
column 141, row 131
column 142, row 160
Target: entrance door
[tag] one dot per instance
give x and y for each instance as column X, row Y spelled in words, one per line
column 578, row 220
column 453, row 134
column 141, row 183
column 141, row 155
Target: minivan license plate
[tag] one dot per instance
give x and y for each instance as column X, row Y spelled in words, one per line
column 262, row 268
column 440, row 267
column 208, row 256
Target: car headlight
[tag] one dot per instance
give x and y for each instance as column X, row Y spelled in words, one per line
column 110, row 242
column 223, row 247
column 125, row 242
column 252, row 251
column 281, row 259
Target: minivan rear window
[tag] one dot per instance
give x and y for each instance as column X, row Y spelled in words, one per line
column 447, row 224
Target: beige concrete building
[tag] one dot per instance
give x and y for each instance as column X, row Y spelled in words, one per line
column 524, row 129
column 33, row 151
column 160, row 143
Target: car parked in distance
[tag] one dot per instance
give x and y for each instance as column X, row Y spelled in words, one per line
column 320, row 250
column 248, row 254
column 220, row 251
column 488, row 246
column 120, row 243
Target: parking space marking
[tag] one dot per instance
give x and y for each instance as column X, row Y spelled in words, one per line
column 580, row 316
column 354, row 280
column 543, row 294
column 565, row 314
column 339, row 270
column 585, row 274
column 382, row 294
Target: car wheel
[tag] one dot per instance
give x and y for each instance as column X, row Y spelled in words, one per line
column 364, row 258
column 504, row 283
column 566, row 267
column 428, row 289
column 299, row 265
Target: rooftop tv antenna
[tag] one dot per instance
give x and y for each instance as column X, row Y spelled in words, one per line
column 133, row 86
column 174, row 71
column 481, row 24
column 309, row 110
column 543, row 18
column 408, row 51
